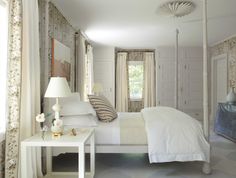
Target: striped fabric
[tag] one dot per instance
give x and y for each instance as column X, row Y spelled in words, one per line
column 103, row 108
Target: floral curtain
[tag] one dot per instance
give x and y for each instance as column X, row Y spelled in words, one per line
column 23, row 85
column 14, row 88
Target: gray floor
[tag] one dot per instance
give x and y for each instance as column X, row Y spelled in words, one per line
column 137, row 165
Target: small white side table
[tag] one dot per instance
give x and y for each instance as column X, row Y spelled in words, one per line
column 66, row 140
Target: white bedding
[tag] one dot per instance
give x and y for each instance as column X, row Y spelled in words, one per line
column 108, row 133
column 111, row 133
column 174, row 136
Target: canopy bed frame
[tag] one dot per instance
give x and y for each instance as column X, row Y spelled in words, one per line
column 143, row 148
column 206, row 128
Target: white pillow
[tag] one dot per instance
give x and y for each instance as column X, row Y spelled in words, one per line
column 87, row 120
column 77, row 108
column 72, row 106
column 73, row 97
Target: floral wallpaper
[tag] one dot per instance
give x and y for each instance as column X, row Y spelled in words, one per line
column 229, row 47
column 2, row 159
column 60, row 29
column 14, row 86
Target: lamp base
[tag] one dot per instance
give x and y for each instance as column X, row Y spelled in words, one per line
column 56, row 135
column 57, row 132
column 56, row 108
column 57, row 128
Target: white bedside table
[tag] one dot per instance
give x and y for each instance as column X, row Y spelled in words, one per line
column 66, row 140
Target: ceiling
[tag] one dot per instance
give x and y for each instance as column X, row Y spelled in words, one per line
column 137, row 24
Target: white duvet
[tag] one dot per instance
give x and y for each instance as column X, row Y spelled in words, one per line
column 174, row 136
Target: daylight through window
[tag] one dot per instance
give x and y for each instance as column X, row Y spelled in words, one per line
column 135, row 73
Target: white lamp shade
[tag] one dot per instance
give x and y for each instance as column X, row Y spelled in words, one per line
column 57, row 88
column 97, row 87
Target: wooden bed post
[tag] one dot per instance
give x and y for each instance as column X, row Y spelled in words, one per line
column 176, row 68
column 206, row 166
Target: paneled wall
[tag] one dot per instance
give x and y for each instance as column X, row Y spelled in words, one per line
column 227, row 47
column 104, row 70
column 60, row 29
column 190, row 76
column 190, row 79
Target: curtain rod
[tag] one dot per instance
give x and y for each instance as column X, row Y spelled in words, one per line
column 87, row 40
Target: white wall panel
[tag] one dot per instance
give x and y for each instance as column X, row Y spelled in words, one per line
column 104, row 71
column 190, row 79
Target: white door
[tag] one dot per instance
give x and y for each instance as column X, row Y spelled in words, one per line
column 219, row 81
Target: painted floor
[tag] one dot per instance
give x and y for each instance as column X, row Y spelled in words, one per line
column 223, row 161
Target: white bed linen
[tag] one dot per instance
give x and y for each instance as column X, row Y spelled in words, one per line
column 85, row 120
column 105, row 133
column 109, row 133
column 174, row 136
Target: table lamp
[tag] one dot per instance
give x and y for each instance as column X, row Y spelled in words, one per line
column 57, row 88
column 97, row 88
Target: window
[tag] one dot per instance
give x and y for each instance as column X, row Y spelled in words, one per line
column 3, row 63
column 135, row 73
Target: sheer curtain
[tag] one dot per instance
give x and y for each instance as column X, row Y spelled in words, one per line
column 23, row 84
column 80, row 72
column 149, row 92
column 30, row 86
column 121, row 82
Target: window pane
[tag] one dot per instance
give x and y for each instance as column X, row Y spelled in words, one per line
column 135, row 79
column 3, row 63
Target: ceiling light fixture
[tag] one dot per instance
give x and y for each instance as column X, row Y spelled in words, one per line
column 177, row 8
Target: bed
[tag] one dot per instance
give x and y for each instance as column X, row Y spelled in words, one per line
column 165, row 133
column 110, row 138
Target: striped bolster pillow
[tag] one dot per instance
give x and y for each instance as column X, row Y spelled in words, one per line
column 103, row 108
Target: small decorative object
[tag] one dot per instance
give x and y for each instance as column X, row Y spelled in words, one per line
column 231, row 97
column 41, row 118
column 57, row 128
column 73, row 132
